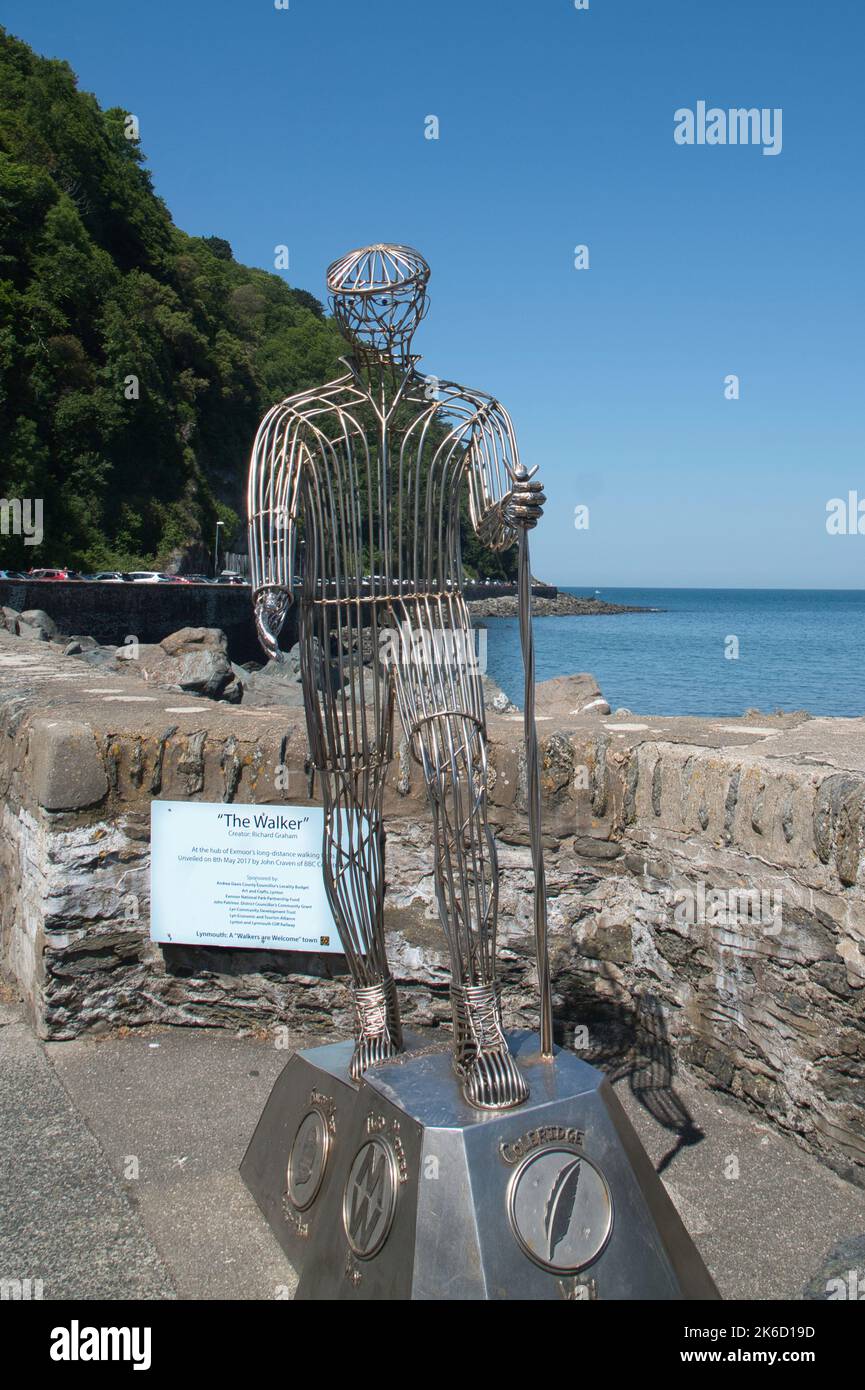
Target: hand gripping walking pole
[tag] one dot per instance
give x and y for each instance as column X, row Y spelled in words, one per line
column 533, row 782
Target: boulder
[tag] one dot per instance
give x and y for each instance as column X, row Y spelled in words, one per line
column 67, row 771
column 495, row 699
column 285, row 672
column 39, row 620
column 9, row 619
column 194, row 639
column 193, row 660
column 76, row 644
column 30, row 633
column 563, row 697
column 276, row 683
column 100, row 657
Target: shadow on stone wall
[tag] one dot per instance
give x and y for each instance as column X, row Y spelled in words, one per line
column 628, row 1038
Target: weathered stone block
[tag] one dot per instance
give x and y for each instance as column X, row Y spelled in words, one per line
column 67, row 769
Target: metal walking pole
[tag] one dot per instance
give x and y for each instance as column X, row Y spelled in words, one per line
column 533, row 782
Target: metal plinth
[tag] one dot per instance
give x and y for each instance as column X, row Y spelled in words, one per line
column 397, row 1189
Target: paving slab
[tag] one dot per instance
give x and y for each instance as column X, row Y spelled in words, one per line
column 64, row 1219
column 763, row 1213
column 174, row 1110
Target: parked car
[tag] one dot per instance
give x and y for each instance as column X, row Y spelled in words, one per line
column 148, row 577
column 109, row 577
column 11, row 574
column 231, row 577
column 47, row 574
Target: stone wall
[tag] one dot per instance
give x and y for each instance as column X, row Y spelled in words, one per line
column 113, row 612
column 705, row 881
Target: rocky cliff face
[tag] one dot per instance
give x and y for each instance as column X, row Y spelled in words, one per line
column 705, row 882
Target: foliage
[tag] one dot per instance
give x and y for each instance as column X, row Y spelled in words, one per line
column 135, row 361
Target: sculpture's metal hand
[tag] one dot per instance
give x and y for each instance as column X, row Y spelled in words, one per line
column 271, row 607
column 524, row 504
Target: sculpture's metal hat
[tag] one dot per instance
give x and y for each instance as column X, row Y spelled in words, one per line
column 378, row 269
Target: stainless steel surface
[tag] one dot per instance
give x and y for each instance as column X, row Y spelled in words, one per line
column 560, row 1209
column 369, row 1197
column 356, row 486
column 433, row 1198
column 289, row 1163
column 307, row 1160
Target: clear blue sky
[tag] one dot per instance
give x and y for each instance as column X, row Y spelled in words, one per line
column 306, row 127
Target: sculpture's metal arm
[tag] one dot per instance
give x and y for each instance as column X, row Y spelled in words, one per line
column 272, row 510
column 503, row 499
column 283, row 445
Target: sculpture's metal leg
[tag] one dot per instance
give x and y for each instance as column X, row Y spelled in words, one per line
column 451, row 748
column 378, row 1031
column 490, row 1077
column 350, row 740
column 466, row 877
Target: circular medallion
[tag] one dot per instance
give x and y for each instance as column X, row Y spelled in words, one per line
column 308, row 1159
column 560, row 1209
column 369, row 1200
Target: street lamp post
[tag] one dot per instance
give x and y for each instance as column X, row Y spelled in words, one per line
column 216, row 549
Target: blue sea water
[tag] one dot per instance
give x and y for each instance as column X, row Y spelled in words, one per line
column 797, row 649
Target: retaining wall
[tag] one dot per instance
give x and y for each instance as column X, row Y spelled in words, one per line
column 705, row 879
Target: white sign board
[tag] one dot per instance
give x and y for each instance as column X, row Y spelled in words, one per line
column 246, row 876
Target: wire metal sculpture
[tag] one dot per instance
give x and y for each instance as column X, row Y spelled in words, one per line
column 358, row 484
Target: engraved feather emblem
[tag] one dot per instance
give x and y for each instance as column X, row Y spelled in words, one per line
column 560, row 1206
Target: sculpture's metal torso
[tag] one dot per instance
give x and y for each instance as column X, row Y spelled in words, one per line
column 374, row 473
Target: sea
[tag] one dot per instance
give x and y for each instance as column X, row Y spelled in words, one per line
column 702, row 651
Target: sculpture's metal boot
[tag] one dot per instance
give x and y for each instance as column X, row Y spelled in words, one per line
column 490, row 1077
column 378, row 1031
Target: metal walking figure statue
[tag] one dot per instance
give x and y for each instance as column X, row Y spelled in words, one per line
column 357, row 485
column 542, row 1188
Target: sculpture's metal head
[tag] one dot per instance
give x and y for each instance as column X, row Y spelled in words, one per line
column 378, row 297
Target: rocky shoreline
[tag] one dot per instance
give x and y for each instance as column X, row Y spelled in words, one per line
column 564, row 605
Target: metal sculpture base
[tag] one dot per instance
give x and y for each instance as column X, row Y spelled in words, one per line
column 395, row 1188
